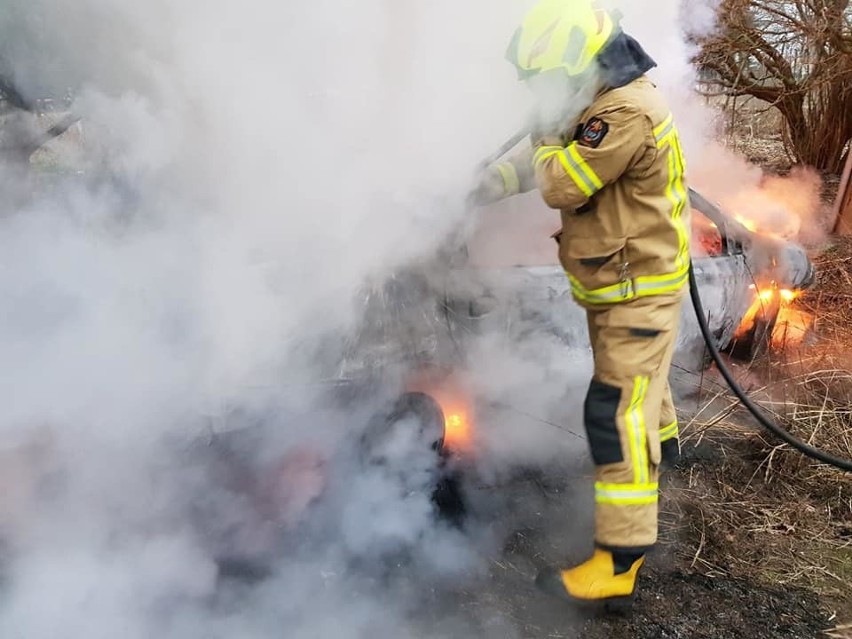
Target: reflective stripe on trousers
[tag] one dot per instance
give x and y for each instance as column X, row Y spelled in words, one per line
column 669, row 432
column 623, row 412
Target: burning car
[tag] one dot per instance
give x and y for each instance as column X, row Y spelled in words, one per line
column 416, row 329
column 746, row 281
column 777, row 268
column 418, row 325
column 410, row 416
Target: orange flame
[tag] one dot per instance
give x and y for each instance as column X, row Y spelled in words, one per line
column 787, row 295
column 751, row 225
column 458, row 435
column 791, row 325
column 776, row 206
column 705, row 236
column 454, row 397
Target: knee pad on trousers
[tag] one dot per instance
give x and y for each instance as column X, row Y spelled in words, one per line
column 670, row 451
column 599, row 413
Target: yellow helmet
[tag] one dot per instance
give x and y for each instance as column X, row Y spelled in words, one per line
column 561, row 34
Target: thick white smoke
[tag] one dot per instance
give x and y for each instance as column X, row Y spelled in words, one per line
column 247, row 170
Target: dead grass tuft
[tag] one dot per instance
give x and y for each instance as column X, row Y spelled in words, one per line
column 841, row 632
column 830, row 300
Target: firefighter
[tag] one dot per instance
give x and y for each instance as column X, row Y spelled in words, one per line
column 605, row 152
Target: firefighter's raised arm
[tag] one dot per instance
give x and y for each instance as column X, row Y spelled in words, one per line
column 506, row 178
column 605, row 147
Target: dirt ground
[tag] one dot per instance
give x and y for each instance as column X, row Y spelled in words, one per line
column 677, row 597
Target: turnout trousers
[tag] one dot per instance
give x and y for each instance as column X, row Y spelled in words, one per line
column 630, row 417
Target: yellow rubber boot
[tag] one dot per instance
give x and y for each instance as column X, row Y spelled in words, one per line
column 605, row 578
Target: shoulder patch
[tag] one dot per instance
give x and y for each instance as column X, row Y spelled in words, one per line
column 593, row 133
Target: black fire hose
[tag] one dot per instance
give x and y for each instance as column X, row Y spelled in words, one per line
column 775, row 429
column 508, row 145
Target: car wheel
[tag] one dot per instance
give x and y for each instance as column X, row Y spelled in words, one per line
column 419, row 411
column 413, row 427
column 756, row 342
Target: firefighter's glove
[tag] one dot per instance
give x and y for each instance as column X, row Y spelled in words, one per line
column 495, row 183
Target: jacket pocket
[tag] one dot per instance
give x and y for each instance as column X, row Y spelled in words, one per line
column 596, row 262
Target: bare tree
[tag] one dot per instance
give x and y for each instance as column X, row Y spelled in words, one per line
column 795, row 55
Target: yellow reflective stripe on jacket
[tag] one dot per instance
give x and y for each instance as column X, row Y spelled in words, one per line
column 666, row 134
column 626, row 494
column 678, row 197
column 669, row 432
column 636, row 433
column 667, row 141
column 543, row 153
column 643, row 286
column 609, row 294
column 575, row 166
column 511, row 181
column 662, row 130
column 658, row 284
column 582, row 167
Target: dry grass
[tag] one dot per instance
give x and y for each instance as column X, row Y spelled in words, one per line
column 841, row 632
column 831, row 298
column 755, row 508
column 760, row 510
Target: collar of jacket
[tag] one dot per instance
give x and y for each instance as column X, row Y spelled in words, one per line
column 622, row 61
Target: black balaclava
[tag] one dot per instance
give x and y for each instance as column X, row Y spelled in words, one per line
column 622, row 61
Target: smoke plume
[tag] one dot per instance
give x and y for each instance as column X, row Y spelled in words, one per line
column 247, row 173
column 245, row 180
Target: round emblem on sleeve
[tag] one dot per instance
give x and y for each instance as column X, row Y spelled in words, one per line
column 593, row 133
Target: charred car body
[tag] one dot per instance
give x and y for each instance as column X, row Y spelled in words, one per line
column 741, row 276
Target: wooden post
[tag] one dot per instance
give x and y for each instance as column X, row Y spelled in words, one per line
column 843, row 204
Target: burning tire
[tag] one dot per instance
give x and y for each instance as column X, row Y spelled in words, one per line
column 756, row 340
column 420, row 410
column 408, row 441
